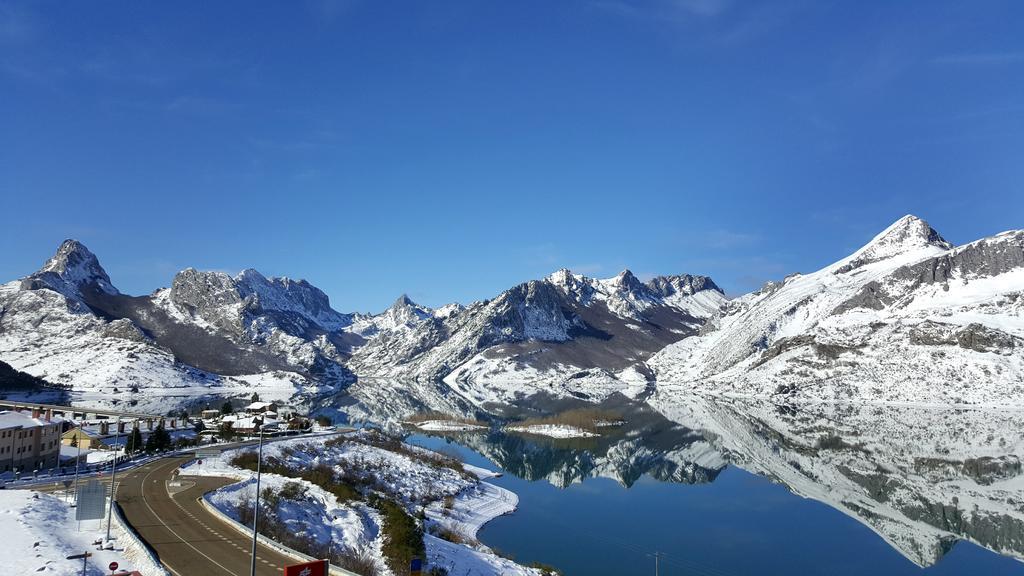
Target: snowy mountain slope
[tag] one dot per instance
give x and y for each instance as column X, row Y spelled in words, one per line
column 921, row 478
column 208, row 334
column 555, row 327
column 907, row 318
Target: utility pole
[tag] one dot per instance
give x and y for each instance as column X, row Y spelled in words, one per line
column 657, row 556
column 113, row 475
column 256, row 511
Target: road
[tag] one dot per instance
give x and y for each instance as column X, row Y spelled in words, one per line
column 187, row 538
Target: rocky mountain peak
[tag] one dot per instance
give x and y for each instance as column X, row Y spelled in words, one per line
column 626, row 281
column 908, row 234
column 404, row 301
column 72, row 268
column 405, row 312
column 683, row 284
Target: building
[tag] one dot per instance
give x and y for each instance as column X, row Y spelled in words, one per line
column 87, row 439
column 247, row 425
column 260, row 408
column 29, row 441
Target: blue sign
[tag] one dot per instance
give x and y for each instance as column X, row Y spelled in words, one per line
column 415, row 566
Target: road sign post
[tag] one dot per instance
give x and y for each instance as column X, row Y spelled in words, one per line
column 91, row 499
column 85, row 557
column 113, row 567
column 314, row 568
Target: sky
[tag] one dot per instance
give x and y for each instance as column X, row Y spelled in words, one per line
column 450, row 150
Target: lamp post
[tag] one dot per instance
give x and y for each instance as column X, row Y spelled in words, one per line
column 257, row 422
column 113, row 476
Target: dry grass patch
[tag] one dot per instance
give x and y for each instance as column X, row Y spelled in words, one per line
column 588, row 419
column 443, row 417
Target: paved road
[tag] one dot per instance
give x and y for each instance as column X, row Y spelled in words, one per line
column 188, row 539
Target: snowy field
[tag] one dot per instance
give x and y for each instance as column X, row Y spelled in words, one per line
column 40, row 533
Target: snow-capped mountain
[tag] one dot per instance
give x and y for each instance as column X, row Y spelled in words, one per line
column 404, row 314
column 544, row 331
column 907, row 318
column 209, row 333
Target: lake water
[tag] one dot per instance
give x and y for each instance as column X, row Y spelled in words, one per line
column 726, row 488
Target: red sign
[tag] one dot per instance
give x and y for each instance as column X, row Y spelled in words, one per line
column 113, row 566
column 314, row 568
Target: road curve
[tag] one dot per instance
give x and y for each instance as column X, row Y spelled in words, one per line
column 187, row 538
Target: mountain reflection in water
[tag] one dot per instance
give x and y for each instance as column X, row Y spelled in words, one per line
column 920, row 478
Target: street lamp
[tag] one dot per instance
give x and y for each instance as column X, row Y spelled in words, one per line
column 257, row 423
column 113, row 476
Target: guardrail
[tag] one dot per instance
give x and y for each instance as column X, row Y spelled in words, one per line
column 143, row 546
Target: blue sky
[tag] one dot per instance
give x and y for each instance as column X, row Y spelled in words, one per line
column 453, row 149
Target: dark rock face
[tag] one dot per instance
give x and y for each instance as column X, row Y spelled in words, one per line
column 872, row 296
column 782, row 345
column 534, row 310
column 988, row 257
column 665, row 286
column 972, row 337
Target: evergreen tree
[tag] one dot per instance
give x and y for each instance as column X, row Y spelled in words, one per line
column 255, row 397
column 134, row 443
column 227, row 408
column 226, row 431
column 158, row 440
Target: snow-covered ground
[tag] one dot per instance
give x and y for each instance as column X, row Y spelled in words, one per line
column 40, row 532
column 552, row 430
column 355, row 525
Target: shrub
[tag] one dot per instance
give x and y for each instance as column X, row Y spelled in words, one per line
column 403, row 537
column 292, row 491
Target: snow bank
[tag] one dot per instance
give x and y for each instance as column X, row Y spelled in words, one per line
column 40, row 533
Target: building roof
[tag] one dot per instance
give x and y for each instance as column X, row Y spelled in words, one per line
column 81, row 433
column 13, row 419
column 258, row 405
column 250, row 423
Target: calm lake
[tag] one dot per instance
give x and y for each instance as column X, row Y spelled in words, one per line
column 727, row 488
